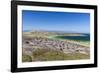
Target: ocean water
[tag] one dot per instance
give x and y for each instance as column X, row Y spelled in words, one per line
column 86, row 37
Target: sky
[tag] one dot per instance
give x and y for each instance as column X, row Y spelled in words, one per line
column 56, row 21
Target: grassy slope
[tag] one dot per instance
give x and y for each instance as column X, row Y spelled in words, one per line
column 51, row 55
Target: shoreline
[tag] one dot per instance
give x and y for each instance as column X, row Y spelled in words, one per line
column 72, row 41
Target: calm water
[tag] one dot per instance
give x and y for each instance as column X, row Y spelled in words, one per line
column 86, row 37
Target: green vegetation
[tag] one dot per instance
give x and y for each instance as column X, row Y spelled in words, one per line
column 26, row 58
column 39, row 52
column 47, row 55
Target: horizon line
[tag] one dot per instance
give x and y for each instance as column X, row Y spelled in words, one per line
column 55, row 31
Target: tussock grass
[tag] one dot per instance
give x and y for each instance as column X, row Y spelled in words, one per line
column 26, row 58
column 52, row 55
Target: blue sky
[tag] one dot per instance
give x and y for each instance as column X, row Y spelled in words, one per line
column 56, row 21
